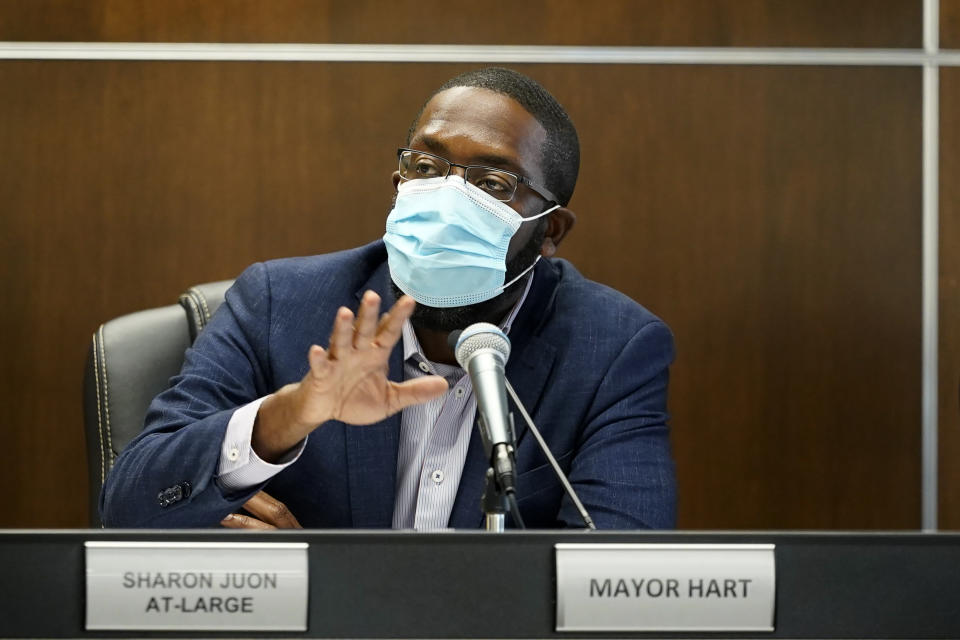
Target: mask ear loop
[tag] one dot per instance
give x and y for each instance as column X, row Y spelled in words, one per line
column 527, row 270
column 521, row 274
column 542, row 213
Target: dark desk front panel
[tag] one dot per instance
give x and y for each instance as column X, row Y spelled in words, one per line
column 477, row 585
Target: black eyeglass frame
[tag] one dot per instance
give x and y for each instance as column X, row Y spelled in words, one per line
column 536, row 188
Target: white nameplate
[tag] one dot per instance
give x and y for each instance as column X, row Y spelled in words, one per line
column 665, row 587
column 197, row 586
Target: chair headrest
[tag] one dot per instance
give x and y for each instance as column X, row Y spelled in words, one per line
column 201, row 302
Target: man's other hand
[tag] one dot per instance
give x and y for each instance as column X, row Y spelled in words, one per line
column 268, row 513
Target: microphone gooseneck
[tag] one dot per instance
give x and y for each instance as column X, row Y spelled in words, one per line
column 578, row 505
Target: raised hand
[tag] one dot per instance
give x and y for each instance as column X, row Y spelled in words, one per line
column 346, row 382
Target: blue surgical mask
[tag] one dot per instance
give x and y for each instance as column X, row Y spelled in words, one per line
column 447, row 242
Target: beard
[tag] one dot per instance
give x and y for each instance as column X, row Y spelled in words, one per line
column 492, row 310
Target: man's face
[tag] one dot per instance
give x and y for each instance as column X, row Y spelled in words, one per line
column 472, row 126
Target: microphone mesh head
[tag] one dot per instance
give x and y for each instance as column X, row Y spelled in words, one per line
column 481, row 335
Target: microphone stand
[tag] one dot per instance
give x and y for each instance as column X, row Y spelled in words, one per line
column 497, row 499
column 494, row 504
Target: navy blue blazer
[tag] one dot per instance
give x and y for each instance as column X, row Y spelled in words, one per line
column 589, row 364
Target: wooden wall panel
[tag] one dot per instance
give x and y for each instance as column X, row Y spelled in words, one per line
column 770, row 215
column 811, row 23
column 123, row 183
column 949, row 362
column 950, row 24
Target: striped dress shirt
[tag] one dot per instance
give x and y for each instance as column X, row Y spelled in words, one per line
column 434, row 437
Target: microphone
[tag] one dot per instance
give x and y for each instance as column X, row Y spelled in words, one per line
column 482, row 350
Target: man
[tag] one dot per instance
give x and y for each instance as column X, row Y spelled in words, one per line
column 375, row 427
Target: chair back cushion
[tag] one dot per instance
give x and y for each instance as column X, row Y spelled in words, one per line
column 131, row 360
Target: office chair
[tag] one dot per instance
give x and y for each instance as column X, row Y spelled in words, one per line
column 131, row 360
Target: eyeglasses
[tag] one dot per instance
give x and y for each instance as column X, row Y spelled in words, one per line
column 502, row 185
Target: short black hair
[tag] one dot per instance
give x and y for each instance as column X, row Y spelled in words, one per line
column 561, row 153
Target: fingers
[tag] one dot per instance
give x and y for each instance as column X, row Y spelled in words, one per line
column 416, row 391
column 240, row 521
column 366, row 325
column 271, row 511
column 391, row 324
column 363, row 331
column 341, row 339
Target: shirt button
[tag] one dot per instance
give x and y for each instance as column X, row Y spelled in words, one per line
column 233, row 455
column 437, row 476
column 460, row 392
column 424, row 367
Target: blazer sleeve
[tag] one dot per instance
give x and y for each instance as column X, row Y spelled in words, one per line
column 166, row 477
column 623, row 470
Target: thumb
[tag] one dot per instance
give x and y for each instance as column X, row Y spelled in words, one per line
column 416, row 391
column 319, row 362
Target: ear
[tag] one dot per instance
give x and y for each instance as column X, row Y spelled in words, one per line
column 396, row 179
column 559, row 223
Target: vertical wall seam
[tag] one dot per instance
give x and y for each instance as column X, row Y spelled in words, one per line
column 931, row 250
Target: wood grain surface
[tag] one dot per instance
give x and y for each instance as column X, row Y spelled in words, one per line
column 716, row 23
column 950, row 24
column 771, row 215
column 949, row 321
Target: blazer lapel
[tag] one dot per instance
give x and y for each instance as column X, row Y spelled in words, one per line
column 532, row 355
column 372, row 449
column 528, row 375
column 528, row 368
